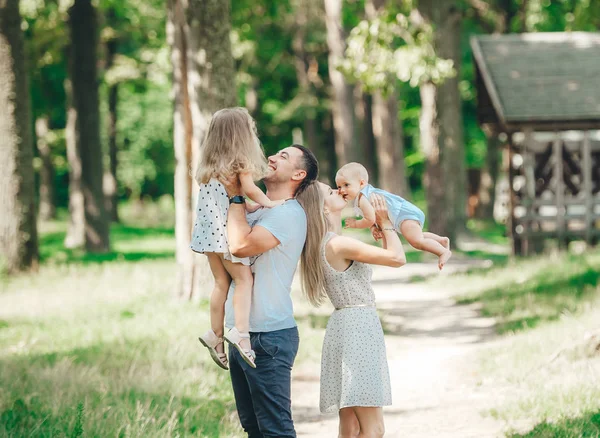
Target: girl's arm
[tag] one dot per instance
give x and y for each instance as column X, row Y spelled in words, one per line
column 368, row 219
column 392, row 253
column 253, row 192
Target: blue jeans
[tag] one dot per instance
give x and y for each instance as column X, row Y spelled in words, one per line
column 263, row 394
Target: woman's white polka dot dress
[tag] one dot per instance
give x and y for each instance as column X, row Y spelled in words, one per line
column 354, row 368
column 210, row 227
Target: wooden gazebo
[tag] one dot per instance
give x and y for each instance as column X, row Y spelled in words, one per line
column 543, row 91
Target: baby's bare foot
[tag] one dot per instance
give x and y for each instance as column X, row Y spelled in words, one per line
column 444, row 258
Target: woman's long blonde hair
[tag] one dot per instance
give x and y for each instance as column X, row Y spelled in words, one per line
column 311, row 199
column 231, row 146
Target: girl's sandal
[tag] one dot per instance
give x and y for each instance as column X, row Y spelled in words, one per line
column 210, row 340
column 234, row 337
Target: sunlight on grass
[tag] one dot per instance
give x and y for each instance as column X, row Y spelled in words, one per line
column 97, row 345
column 527, row 292
column 547, row 378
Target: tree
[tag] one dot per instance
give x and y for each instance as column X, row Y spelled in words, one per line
column 203, row 74
column 18, row 232
column 83, row 75
column 47, row 208
column 404, row 45
column 442, row 135
column 387, row 128
column 110, row 177
column 343, row 104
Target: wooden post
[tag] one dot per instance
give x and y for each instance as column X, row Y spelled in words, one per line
column 529, row 201
column 516, row 240
column 587, row 187
column 560, row 190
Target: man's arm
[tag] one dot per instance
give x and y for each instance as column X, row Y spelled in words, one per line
column 243, row 240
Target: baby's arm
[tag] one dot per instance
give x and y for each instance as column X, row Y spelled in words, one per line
column 368, row 215
column 253, row 192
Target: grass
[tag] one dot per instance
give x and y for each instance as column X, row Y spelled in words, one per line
column 524, row 293
column 544, row 373
column 106, row 349
column 96, row 345
column 546, row 379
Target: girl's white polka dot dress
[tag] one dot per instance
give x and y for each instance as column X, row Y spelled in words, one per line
column 210, row 228
column 354, row 368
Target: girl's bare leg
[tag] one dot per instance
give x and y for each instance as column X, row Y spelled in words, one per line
column 218, row 295
column 412, row 232
column 242, row 298
column 371, row 422
column 349, row 425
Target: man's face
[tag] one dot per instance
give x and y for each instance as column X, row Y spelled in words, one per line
column 284, row 165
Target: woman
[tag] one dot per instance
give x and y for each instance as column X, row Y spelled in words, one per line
column 354, row 372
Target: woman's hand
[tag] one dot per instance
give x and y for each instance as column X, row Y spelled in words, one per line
column 381, row 211
column 232, row 185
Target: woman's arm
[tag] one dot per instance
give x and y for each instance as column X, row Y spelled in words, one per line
column 343, row 247
column 392, row 253
column 255, row 193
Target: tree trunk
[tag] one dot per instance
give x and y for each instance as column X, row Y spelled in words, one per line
column 75, row 237
column 450, row 178
column 203, row 67
column 83, row 25
column 305, row 88
column 18, row 232
column 390, row 144
column 110, row 177
column 343, row 102
column 437, row 213
column 451, row 121
column 47, row 209
column 387, row 128
column 364, row 125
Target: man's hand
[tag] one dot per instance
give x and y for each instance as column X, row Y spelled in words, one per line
column 232, row 185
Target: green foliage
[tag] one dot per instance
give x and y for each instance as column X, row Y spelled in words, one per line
column 94, row 347
column 388, row 50
column 393, row 46
column 587, row 426
column 529, row 292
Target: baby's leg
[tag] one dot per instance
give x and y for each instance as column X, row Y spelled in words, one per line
column 242, row 298
column 444, row 241
column 412, row 232
column 218, row 295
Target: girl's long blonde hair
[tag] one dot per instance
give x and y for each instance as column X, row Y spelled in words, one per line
column 231, row 146
column 311, row 199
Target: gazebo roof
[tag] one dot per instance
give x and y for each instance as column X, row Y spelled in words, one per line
column 538, row 78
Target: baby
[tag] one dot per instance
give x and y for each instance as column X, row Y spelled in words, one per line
column 352, row 181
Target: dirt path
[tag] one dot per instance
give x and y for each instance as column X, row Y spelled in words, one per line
column 431, row 347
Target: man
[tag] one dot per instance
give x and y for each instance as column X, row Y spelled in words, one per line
column 274, row 242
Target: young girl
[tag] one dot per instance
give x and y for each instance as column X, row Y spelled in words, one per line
column 353, row 183
column 231, row 147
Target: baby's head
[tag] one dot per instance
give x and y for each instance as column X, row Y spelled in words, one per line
column 350, row 180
